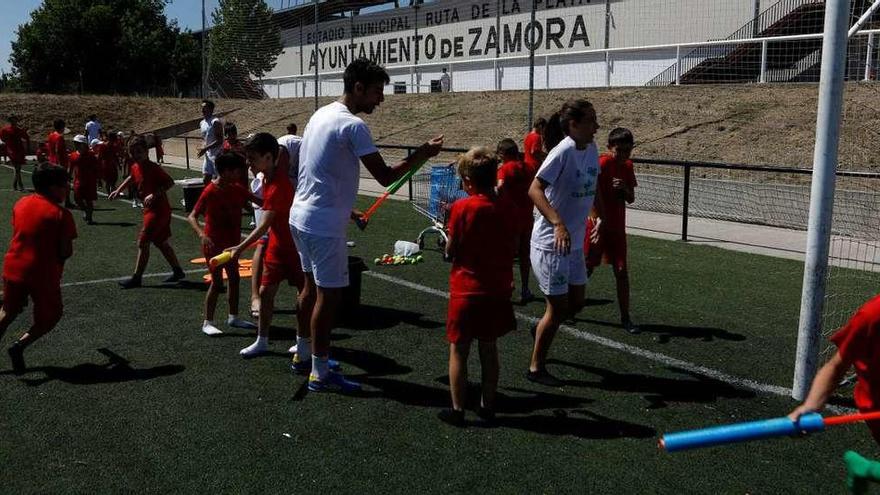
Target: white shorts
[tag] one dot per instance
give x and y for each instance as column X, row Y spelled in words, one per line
column 555, row 272
column 326, row 258
column 208, row 167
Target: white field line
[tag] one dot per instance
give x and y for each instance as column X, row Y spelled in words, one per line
column 743, row 383
column 120, row 279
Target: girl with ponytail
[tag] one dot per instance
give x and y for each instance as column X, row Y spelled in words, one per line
column 563, row 192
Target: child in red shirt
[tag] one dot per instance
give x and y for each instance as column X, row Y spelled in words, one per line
column 514, row 179
column 151, row 183
column 481, row 231
column 858, row 345
column 108, row 157
column 17, row 143
column 616, row 189
column 84, row 166
column 42, row 239
column 281, row 259
column 533, row 145
column 58, row 152
column 221, row 203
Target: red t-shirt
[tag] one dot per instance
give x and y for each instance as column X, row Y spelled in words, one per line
column 149, row 178
column 278, row 197
column 516, row 179
column 222, row 207
column 39, row 229
column 14, row 138
column 481, row 236
column 859, row 342
column 85, row 169
column 108, row 155
column 236, row 147
column 532, row 144
column 57, row 149
column 613, row 202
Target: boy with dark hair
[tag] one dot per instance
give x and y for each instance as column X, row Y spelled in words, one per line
column 221, row 204
column 616, row 189
column 151, row 183
column 514, row 180
column 84, row 166
column 232, row 143
column 481, row 232
column 56, row 144
column 335, row 142
column 42, row 239
column 17, row 143
column 280, row 260
column 108, row 158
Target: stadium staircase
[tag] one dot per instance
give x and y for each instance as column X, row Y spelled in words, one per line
column 787, row 61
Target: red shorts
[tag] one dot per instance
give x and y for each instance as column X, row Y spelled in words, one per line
column 290, row 270
column 611, row 248
column 156, row 229
column 479, row 317
column 85, row 192
column 47, row 301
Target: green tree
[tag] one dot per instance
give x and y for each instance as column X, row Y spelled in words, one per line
column 244, row 37
column 103, row 46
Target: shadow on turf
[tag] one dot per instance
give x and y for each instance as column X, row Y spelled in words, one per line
column 665, row 333
column 116, row 369
column 370, row 317
column 114, row 224
column 658, row 391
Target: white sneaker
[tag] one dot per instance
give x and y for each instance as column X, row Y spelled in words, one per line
column 208, row 328
column 236, row 322
column 292, row 349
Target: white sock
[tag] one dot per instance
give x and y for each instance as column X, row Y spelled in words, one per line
column 260, row 346
column 320, row 367
column 303, row 347
column 235, row 321
column 209, row 328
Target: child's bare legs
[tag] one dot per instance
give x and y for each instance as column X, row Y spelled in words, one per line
column 232, row 290
column 17, row 183
column 208, row 326
column 305, row 306
column 559, row 309
column 257, row 271
column 621, row 276
column 6, row 319
column 458, row 357
column 143, row 257
column 170, row 256
column 45, row 319
column 88, row 208
column 490, row 370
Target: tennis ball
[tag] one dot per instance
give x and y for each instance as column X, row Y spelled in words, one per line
column 377, row 261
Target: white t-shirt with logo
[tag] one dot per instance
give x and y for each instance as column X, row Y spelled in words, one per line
column 291, row 143
column 205, row 127
column 93, row 129
column 571, row 175
column 329, row 170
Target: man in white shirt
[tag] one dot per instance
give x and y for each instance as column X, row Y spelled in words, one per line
column 93, row 128
column 212, row 136
column 289, row 155
column 334, row 144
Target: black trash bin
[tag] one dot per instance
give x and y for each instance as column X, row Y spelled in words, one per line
column 192, row 189
column 351, row 295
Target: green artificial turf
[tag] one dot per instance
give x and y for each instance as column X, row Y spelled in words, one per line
column 127, row 395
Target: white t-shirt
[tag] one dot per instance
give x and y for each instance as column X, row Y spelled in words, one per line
column 329, row 170
column 572, row 175
column 205, row 127
column 93, row 129
column 257, row 190
column 445, row 82
column 291, row 143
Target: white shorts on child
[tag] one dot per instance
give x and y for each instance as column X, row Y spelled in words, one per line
column 326, row 258
column 555, row 272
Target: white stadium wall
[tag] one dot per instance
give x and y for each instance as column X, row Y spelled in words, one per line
column 485, row 51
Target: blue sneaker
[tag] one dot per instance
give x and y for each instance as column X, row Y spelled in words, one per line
column 334, row 382
column 304, row 367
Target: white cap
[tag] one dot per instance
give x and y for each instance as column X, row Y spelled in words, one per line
column 79, row 138
column 95, row 142
column 120, row 134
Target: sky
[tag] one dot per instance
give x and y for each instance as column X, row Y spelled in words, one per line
column 188, row 14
